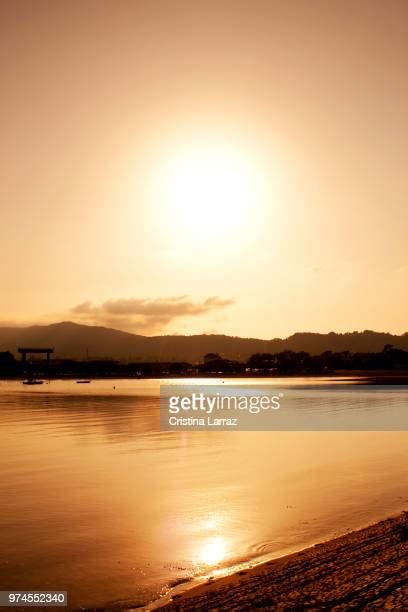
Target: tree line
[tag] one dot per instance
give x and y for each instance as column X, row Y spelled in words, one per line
column 260, row 364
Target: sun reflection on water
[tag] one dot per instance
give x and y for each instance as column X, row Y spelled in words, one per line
column 212, row 547
column 211, row 523
column 213, row 551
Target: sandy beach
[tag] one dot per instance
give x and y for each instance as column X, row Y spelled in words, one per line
column 365, row 569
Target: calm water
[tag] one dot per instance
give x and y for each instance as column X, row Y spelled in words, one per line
column 95, row 500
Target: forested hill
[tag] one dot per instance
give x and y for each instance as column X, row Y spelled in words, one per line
column 85, row 341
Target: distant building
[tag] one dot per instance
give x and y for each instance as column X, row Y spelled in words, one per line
column 35, row 351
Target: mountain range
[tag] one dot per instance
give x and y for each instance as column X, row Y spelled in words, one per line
column 72, row 340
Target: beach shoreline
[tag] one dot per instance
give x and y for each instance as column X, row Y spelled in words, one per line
column 363, row 569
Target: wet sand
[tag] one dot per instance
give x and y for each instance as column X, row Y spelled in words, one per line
column 362, row 570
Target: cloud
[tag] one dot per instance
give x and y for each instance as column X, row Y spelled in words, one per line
column 145, row 315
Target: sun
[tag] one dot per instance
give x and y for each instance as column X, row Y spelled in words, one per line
column 208, row 191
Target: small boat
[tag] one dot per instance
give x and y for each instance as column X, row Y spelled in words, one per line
column 33, row 381
column 83, row 382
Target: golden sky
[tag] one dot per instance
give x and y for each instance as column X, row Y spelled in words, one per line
column 205, row 166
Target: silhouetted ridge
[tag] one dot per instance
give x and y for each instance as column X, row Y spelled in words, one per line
column 72, row 340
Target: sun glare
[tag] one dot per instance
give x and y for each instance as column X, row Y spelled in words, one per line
column 210, row 192
column 213, row 551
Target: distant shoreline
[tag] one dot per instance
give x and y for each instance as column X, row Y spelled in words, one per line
column 365, row 567
column 369, row 377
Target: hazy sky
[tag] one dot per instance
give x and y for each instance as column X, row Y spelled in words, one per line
column 197, row 166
